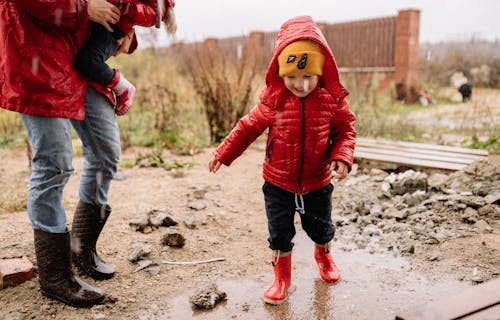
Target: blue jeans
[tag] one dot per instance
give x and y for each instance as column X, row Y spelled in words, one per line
column 50, row 139
column 281, row 208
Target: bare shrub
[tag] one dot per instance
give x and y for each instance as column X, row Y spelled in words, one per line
column 223, row 78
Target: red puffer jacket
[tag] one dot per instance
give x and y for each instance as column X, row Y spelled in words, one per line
column 141, row 13
column 306, row 134
column 39, row 42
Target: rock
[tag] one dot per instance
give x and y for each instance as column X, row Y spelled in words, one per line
column 190, row 221
column 492, row 197
column 414, row 198
column 173, row 238
column 483, row 226
column 490, row 211
column 143, row 264
column 197, row 205
column 472, row 201
column 396, row 214
column 470, row 215
column 437, row 181
column 371, row 230
column 199, row 191
column 139, row 251
column 406, row 182
column 161, row 218
column 207, row 298
column 140, row 223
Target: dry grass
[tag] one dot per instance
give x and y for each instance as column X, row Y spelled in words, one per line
column 13, row 201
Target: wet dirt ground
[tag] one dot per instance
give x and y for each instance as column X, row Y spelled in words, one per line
column 373, row 286
column 231, row 225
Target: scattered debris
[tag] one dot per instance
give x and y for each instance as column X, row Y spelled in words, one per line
column 153, row 220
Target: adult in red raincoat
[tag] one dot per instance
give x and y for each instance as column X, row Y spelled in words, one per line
column 40, row 40
column 311, row 132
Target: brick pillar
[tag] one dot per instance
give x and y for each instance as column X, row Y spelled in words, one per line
column 407, row 46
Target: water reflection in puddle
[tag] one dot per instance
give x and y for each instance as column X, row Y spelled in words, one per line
column 373, row 286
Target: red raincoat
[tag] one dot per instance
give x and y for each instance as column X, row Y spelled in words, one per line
column 40, row 40
column 39, row 43
column 141, row 13
column 305, row 135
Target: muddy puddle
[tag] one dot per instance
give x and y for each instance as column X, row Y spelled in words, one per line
column 373, row 286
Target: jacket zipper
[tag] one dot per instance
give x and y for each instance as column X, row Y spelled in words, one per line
column 302, row 151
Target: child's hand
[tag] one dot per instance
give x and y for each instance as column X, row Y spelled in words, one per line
column 214, row 165
column 124, row 43
column 341, row 169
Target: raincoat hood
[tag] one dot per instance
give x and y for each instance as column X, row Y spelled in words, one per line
column 301, row 28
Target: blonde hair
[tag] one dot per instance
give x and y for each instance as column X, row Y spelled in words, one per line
column 169, row 20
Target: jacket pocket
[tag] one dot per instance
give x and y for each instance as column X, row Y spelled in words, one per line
column 46, row 70
column 269, row 150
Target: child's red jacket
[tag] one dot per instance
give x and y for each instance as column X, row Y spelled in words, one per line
column 306, row 134
column 141, row 13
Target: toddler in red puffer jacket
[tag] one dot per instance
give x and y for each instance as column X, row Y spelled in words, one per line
column 311, row 132
column 91, row 60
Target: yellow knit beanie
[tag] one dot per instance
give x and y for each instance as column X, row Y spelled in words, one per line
column 303, row 56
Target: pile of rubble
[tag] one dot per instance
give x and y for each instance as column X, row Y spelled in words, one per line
column 378, row 211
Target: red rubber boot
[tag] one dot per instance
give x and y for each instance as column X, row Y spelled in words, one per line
column 327, row 267
column 277, row 292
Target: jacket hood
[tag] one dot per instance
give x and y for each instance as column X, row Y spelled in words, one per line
column 301, row 28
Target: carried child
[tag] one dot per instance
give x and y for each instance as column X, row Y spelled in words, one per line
column 311, row 133
column 102, row 44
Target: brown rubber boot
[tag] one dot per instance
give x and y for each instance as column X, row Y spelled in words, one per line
column 88, row 222
column 282, row 265
column 54, row 271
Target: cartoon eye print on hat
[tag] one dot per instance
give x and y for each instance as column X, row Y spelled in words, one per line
column 302, row 62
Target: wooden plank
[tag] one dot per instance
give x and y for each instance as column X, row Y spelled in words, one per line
column 484, row 297
column 424, row 146
column 492, row 312
column 417, row 154
column 414, row 155
column 409, row 161
column 406, row 149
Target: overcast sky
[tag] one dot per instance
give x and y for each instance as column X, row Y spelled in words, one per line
column 440, row 20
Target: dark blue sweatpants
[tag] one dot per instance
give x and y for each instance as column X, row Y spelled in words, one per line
column 280, row 209
column 91, row 59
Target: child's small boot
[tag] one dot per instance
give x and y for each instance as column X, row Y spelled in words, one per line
column 277, row 292
column 125, row 92
column 327, row 267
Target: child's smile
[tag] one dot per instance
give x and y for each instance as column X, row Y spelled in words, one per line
column 300, row 84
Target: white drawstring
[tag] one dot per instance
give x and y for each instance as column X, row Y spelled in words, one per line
column 299, row 207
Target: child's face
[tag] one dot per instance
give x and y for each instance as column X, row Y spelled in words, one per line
column 301, row 84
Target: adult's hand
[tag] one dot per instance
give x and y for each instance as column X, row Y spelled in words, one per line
column 103, row 12
column 124, row 43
